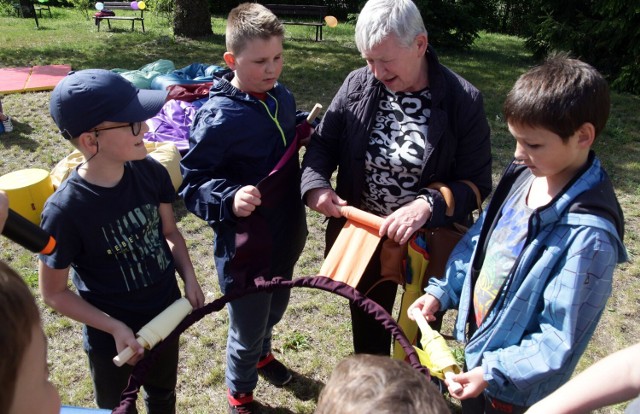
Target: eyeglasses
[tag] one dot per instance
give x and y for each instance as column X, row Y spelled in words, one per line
column 136, row 127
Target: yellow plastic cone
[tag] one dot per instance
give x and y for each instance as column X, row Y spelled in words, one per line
column 435, row 353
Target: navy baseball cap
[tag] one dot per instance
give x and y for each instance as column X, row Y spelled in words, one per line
column 84, row 99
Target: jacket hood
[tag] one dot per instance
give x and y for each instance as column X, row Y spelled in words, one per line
column 590, row 193
column 601, row 201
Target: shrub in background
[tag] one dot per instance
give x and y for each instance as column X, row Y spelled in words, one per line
column 452, row 23
column 605, row 33
column 7, row 9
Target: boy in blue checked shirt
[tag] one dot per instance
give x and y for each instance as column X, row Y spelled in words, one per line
column 531, row 278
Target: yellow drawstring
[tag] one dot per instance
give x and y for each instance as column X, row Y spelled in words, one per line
column 274, row 117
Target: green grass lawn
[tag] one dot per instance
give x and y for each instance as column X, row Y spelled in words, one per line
column 315, row 333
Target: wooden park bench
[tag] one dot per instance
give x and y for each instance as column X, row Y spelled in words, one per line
column 138, row 14
column 301, row 15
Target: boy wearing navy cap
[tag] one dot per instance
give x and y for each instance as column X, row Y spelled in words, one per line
column 116, row 231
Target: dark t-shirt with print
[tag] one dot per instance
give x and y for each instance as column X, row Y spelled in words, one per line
column 113, row 240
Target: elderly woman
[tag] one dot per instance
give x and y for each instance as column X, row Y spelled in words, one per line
column 395, row 126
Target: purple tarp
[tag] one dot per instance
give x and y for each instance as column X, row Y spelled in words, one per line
column 172, row 123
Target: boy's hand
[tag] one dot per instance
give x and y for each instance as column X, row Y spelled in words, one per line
column 246, row 200
column 303, row 132
column 124, row 338
column 427, row 304
column 194, row 294
column 472, row 382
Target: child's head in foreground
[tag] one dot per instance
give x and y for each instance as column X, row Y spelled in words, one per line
column 96, row 103
column 23, row 363
column 254, row 47
column 562, row 98
column 377, row 384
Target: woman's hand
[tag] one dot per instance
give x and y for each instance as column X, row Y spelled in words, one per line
column 325, row 201
column 400, row 225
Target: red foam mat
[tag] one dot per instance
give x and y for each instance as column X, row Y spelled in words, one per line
column 13, row 80
column 28, row 79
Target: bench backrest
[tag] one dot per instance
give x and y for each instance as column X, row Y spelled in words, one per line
column 120, row 5
column 294, row 10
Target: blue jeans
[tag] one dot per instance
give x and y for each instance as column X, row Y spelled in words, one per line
column 251, row 321
column 159, row 387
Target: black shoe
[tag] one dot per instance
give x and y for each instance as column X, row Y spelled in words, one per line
column 241, row 403
column 273, row 370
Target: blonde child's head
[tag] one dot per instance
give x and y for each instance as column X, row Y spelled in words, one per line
column 254, row 48
column 366, row 383
column 250, row 21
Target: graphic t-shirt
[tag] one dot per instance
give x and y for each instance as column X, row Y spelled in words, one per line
column 395, row 152
column 504, row 247
column 113, row 240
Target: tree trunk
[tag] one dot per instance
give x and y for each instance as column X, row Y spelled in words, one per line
column 26, row 8
column 192, row 19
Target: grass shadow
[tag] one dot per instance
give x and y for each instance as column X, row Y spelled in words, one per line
column 304, row 388
column 20, row 136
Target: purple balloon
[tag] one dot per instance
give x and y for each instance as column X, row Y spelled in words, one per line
column 134, row 5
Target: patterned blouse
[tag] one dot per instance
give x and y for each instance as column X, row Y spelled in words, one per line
column 395, row 152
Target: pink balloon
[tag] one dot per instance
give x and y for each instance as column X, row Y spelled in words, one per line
column 134, row 5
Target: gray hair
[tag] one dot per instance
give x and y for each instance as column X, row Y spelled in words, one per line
column 381, row 18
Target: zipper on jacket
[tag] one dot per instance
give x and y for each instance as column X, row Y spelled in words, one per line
column 274, row 117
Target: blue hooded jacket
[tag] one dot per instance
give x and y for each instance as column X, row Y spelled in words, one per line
column 237, row 140
column 548, row 308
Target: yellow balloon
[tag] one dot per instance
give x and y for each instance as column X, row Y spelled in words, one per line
column 141, row 5
column 331, row 21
